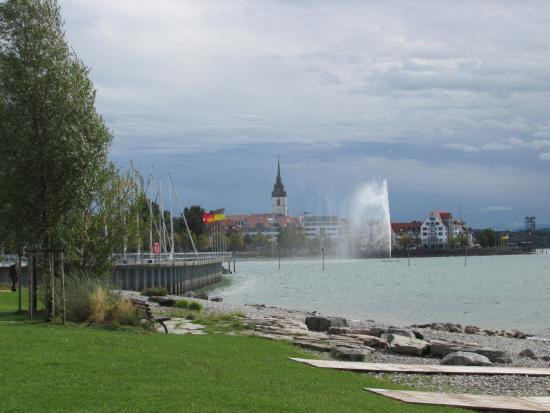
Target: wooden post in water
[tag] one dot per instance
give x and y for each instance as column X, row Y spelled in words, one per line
column 323, row 252
column 234, row 260
column 408, row 257
column 465, row 254
column 279, row 258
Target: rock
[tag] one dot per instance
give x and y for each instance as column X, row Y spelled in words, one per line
column 462, row 358
column 520, row 334
column 319, row 323
column 312, row 345
column 189, row 294
column 162, row 301
column 406, row 345
column 400, row 332
column 438, row 327
column 442, row 349
column 349, row 354
column 471, row 330
column 338, row 330
column 375, row 342
column 216, row 299
column 369, row 331
column 418, row 335
column 545, row 358
column 201, row 296
column 528, row 353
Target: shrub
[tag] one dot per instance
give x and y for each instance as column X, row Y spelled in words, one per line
column 195, row 306
column 154, row 291
column 99, row 305
column 182, row 304
column 125, row 313
column 79, row 288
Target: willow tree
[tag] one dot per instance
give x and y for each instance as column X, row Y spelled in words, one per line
column 54, row 143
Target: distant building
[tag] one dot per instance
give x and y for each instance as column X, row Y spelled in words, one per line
column 400, row 229
column 440, row 227
column 322, row 226
column 267, row 224
column 279, row 202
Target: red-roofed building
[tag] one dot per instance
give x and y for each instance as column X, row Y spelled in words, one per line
column 267, row 224
column 410, row 229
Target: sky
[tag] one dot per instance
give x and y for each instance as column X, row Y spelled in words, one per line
column 448, row 101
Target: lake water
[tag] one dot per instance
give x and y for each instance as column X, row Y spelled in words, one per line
column 491, row 292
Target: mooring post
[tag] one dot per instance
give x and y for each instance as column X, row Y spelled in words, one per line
column 465, row 254
column 408, row 257
column 234, row 260
column 279, row 258
column 323, row 252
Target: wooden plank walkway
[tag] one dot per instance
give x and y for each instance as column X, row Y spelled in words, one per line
column 469, row 401
column 423, row 368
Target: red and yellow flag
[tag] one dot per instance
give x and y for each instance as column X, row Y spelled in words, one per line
column 213, row 216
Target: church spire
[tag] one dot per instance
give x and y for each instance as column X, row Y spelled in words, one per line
column 278, row 168
column 278, row 196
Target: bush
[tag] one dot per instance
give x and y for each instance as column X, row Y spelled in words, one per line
column 79, row 288
column 123, row 313
column 154, row 291
column 99, row 305
column 195, row 306
column 182, row 304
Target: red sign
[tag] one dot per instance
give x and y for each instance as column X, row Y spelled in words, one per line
column 156, row 248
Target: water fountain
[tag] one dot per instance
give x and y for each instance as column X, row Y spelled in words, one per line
column 369, row 231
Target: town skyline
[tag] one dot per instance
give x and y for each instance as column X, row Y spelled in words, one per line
column 451, row 113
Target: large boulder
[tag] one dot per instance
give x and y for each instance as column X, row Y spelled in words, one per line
column 407, row 346
column 319, row 323
column 442, row 349
column 471, row 330
column 369, row 331
column 162, row 301
column 350, row 354
column 463, row 358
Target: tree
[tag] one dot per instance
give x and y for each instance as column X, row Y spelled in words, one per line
column 54, row 143
column 405, row 241
column 291, row 239
column 194, row 215
column 487, row 238
column 236, row 241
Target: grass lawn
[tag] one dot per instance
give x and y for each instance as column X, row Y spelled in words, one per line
column 78, row 368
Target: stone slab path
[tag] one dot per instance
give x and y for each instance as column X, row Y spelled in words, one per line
column 182, row 326
column 469, row 401
column 424, row 368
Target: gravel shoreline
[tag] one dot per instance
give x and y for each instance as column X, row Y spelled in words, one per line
column 493, row 385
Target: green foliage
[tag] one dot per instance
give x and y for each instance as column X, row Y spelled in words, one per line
column 182, row 304
column 193, row 215
column 195, row 306
column 154, row 291
column 79, row 288
column 235, row 241
column 292, row 239
column 57, row 142
column 487, row 238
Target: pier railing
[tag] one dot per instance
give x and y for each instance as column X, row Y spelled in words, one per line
column 167, row 258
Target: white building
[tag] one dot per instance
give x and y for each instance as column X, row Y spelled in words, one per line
column 322, row 226
column 279, row 202
column 439, row 227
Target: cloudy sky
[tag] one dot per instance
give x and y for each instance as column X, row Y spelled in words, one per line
column 449, row 101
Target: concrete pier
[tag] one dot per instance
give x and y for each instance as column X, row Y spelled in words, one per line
column 176, row 277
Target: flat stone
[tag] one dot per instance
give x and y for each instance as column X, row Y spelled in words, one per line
column 339, row 330
column 313, row 345
column 408, row 346
column 462, row 358
column 349, row 354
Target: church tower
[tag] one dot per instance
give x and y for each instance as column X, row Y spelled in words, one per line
column 279, row 202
